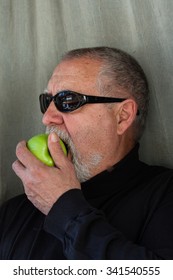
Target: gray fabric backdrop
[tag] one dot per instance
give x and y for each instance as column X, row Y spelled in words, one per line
column 35, row 33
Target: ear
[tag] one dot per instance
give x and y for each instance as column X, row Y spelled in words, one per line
column 126, row 114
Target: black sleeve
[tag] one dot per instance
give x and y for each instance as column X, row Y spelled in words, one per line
column 86, row 234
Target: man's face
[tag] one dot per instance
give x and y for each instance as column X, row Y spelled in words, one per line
column 91, row 129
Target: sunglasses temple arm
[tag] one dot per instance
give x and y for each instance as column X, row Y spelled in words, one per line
column 100, row 99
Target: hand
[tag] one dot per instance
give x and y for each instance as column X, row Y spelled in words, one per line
column 43, row 185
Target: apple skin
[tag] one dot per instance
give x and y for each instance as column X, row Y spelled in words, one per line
column 38, row 145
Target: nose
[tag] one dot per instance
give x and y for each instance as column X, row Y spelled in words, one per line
column 52, row 116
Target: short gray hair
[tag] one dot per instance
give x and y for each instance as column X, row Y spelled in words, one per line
column 124, row 73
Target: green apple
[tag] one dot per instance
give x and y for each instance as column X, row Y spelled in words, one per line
column 38, row 145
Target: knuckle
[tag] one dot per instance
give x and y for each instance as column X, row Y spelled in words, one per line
column 14, row 165
column 19, row 148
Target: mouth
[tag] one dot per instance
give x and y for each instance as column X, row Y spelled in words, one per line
column 64, row 137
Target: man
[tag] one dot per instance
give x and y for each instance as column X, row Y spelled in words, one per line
column 100, row 202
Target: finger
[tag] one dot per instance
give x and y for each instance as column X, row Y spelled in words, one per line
column 56, row 150
column 18, row 168
column 25, row 156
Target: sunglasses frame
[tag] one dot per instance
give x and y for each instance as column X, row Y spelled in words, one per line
column 83, row 99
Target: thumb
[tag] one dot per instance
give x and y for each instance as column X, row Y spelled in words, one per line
column 55, row 150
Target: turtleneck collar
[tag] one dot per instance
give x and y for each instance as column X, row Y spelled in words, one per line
column 115, row 178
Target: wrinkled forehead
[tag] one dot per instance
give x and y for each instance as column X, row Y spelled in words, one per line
column 74, row 72
column 78, row 66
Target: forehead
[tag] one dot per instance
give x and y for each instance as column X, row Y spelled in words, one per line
column 74, row 74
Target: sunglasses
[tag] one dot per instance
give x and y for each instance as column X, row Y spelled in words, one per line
column 68, row 101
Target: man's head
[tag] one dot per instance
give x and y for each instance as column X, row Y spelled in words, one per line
column 120, row 75
column 100, row 134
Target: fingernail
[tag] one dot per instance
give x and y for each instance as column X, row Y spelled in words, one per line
column 54, row 137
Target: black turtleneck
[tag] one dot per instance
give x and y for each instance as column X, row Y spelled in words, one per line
column 122, row 213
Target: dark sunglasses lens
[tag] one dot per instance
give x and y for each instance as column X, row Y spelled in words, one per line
column 45, row 100
column 68, row 101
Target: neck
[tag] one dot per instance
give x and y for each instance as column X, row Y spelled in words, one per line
column 123, row 147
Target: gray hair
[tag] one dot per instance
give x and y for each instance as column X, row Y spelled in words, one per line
column 122, row 72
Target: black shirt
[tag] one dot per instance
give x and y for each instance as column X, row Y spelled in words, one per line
column 122, row 213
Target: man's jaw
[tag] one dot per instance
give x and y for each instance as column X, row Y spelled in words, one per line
column 82, row 171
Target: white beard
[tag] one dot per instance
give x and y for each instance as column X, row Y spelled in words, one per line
column 83, row 170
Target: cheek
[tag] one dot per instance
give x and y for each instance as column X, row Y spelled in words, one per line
column 91, row 137
column 91, row 134
column 84, row 137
